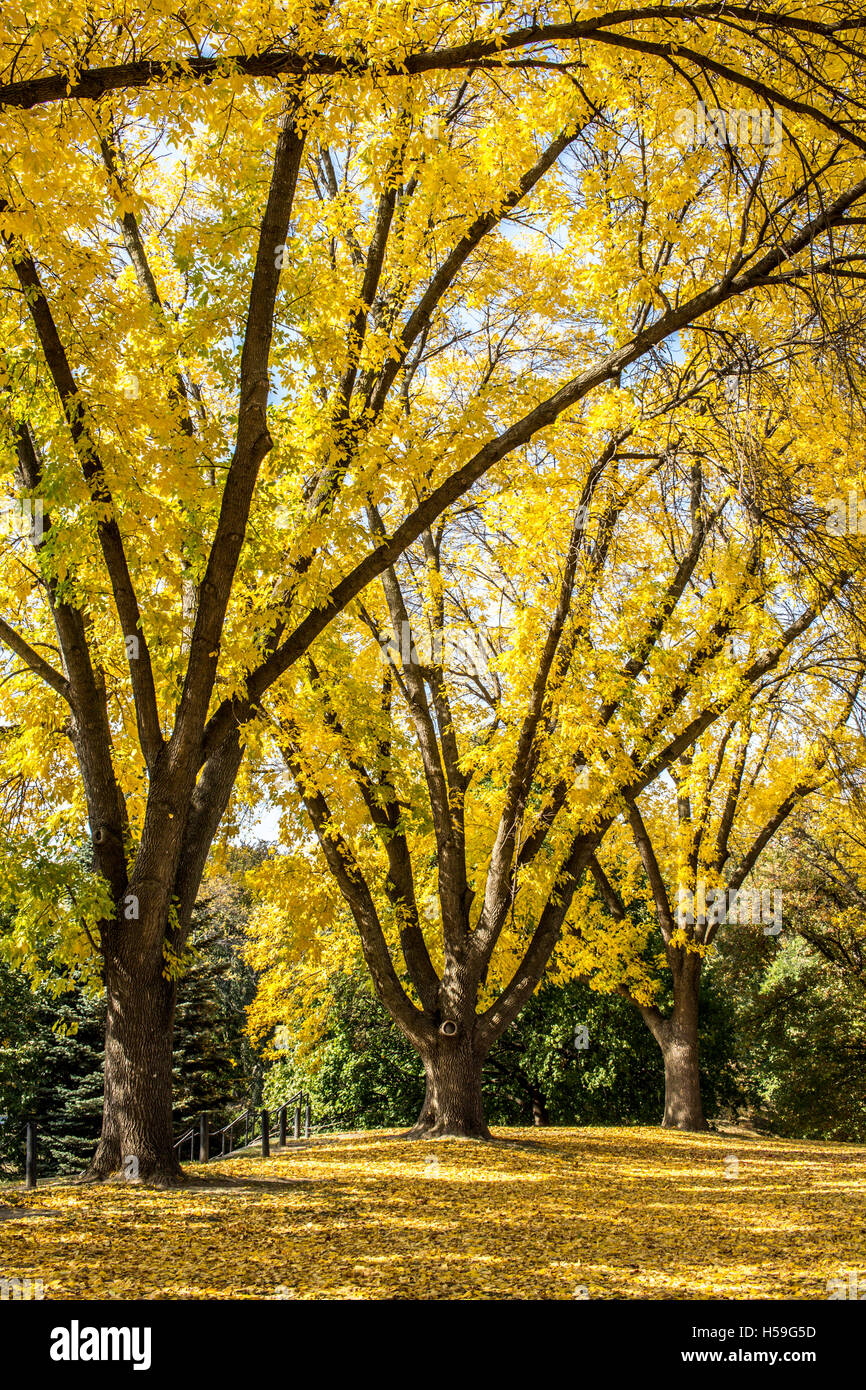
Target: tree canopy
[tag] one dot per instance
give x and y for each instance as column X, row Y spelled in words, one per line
column 294, row 292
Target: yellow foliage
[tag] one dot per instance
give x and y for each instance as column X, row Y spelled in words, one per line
column 540, row 1214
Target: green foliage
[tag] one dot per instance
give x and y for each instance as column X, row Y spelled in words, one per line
column 217, row 1069
column 364, row 1074
column 800, row 1037
column 537, row 1070
column 50, row 1067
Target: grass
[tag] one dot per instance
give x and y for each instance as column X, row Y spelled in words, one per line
column 552, row 1214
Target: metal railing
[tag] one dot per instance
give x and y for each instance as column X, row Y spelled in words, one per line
column 335, row 1120
column 252, row 1121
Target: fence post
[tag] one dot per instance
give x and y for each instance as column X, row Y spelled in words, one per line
column 266, row 1134
column 307, row 1120
column 30, row 1156
column 297, row 1125
column 282, row 1126
column 246, row 1128
column 203, row 1139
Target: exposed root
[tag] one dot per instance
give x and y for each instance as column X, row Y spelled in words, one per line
column 157, row 1177
column 442, row 1130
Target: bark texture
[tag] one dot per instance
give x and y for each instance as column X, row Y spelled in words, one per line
column 453, row 1106
column 137, row 1132
column 677, row 1037
column 683, row 1106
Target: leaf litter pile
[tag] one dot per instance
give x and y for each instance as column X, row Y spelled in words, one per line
column 551, row 1214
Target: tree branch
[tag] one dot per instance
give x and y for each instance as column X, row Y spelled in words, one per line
column 126, row 602
column 16, row 643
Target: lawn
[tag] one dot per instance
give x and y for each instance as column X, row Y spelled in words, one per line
column 551, row 1214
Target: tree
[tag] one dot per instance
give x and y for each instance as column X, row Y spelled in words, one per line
column 799, row 1003
column 50, row 1068
column 203, row 395
column 434, row 785
column 52, row 1035
column 823, row 860
column 216, row 1069
column 730, row 796
column 574, row 1056
column 799, row 1036
column 543, row 1069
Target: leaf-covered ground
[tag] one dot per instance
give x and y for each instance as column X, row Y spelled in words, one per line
column 563, row 1213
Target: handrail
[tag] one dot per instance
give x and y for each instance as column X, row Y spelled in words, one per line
column 335, row 1118
column 250, row 1116
column 241, row 1115
column 248, row 1110
column 30, row 1167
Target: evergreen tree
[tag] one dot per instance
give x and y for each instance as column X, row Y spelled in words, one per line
column 51, row 1042
column 51, row 1068
column 216, row 1068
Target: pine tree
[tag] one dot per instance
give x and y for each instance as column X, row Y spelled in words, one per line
column 50, row 1068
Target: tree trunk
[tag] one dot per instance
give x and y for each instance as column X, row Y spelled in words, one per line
column 137, row 1130
column 683, row 1107
column 539, row 1109
column 452, row 1103
column 678, row 1040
